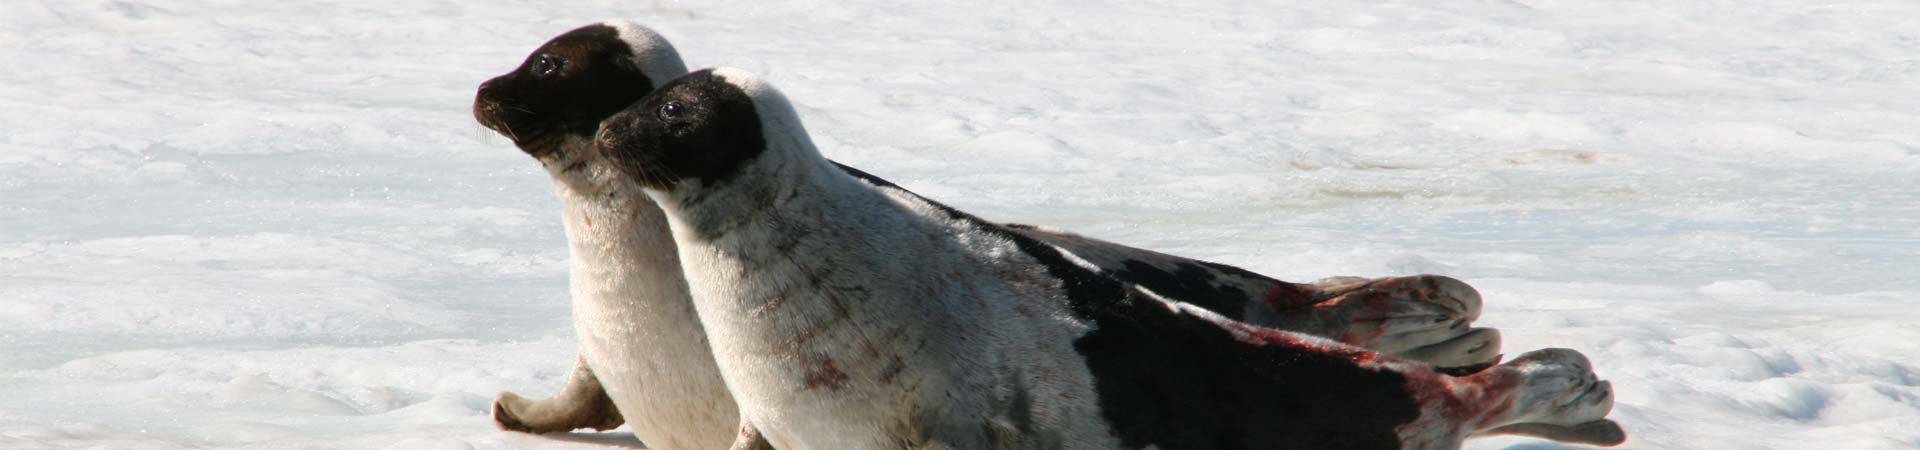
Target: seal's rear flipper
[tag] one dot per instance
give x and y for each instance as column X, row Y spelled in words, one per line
column 1465, row 354
column 1604, row 433
column 1550, row 394
column 584, row 404
column 1428, row 318
column 1470, row 369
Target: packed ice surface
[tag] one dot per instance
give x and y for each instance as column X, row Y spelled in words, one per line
column 275, row 224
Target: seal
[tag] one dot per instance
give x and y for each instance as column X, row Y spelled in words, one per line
column 644, row 359
column 844, row 316
column 633, row 316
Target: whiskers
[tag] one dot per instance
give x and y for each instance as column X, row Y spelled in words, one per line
column 488, row 113
column 483, row 133
column 652, row 175
column 512, row 108
column 532, row 135
column 635, row 165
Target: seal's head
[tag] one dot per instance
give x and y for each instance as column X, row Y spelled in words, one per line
column 705, row 129
column 559, row 95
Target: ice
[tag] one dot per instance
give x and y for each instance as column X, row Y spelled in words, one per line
column 275, row 224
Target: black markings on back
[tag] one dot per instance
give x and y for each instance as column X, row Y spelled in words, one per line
column 1188, row 282
column 1179, row 382
column 1164, row 378
column 1175, row 381
column 697, row 127
column 597, row 77
column 1243, row 273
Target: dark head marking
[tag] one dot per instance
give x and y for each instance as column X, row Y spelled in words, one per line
column 699, row 127
column 571, row 83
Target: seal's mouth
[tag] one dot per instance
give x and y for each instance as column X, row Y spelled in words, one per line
column 487, row 112
column 614, row 142
column 516, row 123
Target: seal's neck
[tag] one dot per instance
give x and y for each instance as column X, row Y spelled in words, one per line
column 617, row 238
column 776, row 219
column 579, row 173
column 706, row 210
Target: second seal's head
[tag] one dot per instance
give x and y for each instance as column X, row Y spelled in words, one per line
column 702, row 130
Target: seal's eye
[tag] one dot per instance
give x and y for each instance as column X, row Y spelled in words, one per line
column 672, row 110
column 547, row 65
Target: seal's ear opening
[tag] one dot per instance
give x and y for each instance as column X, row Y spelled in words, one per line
column 697, row 127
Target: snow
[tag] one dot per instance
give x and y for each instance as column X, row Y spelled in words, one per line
column 275, row 225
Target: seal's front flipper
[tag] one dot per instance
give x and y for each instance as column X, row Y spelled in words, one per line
column 582, row 404
column 750, row 438
column 1604, row 433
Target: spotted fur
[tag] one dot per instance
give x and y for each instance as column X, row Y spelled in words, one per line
column 848, row 316
column 621, row 250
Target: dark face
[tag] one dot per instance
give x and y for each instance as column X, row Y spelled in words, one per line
column 698, row 127
column 563, row 89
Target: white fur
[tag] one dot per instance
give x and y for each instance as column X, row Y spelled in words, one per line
column 655, row 55
column 637, row 328
column 847, row 317
column 929, row 349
